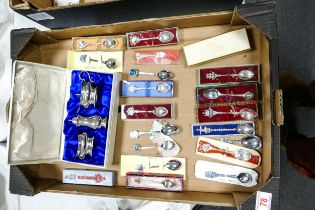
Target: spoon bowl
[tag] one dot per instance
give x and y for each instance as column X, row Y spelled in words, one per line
column 245, row 177
column 246, row 74
column 245, row 129
column 252, row 142
column 168, row 145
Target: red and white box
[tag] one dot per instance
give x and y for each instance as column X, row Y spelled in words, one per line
column 88, row 177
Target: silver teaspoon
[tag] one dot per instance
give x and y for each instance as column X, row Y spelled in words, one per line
column 164, row 37
column 251, row 142
column 168, row 130
column 158, row 111
column 239, row 154
column 244, row 113
column 242, row 177
column 241, row 129
column 167, row 145
column 162, row 75
column 214, row 94
column 243, row 75
column 161, row 88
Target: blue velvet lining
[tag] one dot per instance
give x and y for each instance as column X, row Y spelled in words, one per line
column 196, row 127
column 104, row 84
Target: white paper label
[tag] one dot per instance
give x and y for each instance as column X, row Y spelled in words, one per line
column 263, row 201
column 41, row 16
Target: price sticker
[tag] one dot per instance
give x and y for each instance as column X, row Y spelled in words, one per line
column 263, row 201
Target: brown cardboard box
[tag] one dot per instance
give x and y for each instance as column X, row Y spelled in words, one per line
column 51, row 48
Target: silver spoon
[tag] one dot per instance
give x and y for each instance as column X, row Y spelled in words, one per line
column 161, row 88
column 168, row 130
column 251, row 142
column 162, row 75
column 167, row 145
column 158, row 111
column 167, row 183
column 244, row 113
column 239, row 154
column 214, row 94
column 242, row 129
column 243, row 75
column 164, row 37
column 242, row 177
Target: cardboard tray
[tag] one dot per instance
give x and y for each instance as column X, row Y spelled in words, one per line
column 51, row 48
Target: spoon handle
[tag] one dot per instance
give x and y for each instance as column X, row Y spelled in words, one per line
column 147, row 73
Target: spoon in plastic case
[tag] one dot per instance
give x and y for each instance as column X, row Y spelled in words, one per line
column 214, row 94
column 157, row 55
column 244, row 113
column 239, row 154
column 241, row 129
column 243, row 75
column 251, row 142
column 164, row 37
column 168, row 130
column 161, row 88
column 167, row 183
column 242, row 177
column 108, row 43
column 162, row 75
column 167, row 145
column 158, row 111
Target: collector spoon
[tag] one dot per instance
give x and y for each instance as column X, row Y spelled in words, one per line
column 214, row 94
column 167, row 145
column 243, row 75
column 161, row 88
column 158, row 111
column 168, row 130
column 251, row 142
column 167, row 183
column 241, row 129
column 244, row 113
column 108, row 43
column 164, row 37
column 242, row 177
column 162, row 75
column 239, row 154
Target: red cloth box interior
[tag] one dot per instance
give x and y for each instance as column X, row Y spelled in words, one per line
column 231, row 74
column 147, row 111
column 152, row 37
column 227, row 108
column 225, row 94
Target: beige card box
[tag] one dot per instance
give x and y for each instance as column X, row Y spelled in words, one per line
column 37, row 112
column 217, row 47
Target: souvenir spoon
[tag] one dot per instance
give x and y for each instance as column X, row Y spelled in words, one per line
column 164, row 37
column 167, row 183
column 162, row 75
column 242, row 177
column 244, row 113
column 243, row 75
column 158, row 111
column 168, row 130
column 251, row 142
column 239, row 154
column 161, row 88
column 167, row 145
column 111, row 63
column 214, row 94
column 241, row 129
